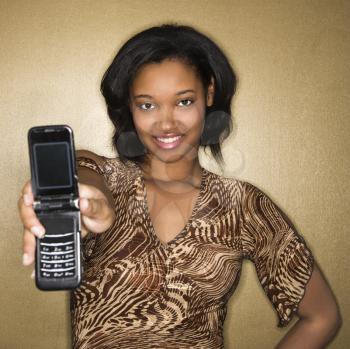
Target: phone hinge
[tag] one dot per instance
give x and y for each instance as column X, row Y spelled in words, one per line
column 53, row 205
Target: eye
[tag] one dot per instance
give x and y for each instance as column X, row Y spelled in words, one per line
column 185, row 102
column 146, row 106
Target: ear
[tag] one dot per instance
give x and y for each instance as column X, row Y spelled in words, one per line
column 210, row 93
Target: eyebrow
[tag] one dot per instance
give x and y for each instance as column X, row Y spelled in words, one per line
column 177, row 94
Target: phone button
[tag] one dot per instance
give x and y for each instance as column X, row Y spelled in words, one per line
column 57, row 275
column 69, row 273
column 58, row 265
column 46, row 274
column 46, row 265
column 69, row 264
column 56, row 257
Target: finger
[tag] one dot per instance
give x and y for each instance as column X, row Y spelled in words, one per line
column 100, row 224
column 30, row 220
column 27, row 194
column 26, row 211
column 92, row 208
column 28, row 248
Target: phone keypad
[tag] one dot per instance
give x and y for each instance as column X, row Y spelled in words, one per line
column 57, row 259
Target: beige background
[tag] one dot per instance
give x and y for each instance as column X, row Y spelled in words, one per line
column 291, row 138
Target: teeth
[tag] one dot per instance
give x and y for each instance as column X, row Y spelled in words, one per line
column 168, row 140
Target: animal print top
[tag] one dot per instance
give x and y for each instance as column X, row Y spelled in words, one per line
column 138, row 292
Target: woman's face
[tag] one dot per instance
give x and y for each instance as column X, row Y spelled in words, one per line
column 168, row 103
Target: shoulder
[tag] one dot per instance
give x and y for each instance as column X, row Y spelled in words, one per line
column 241, row 188
column 238, row 186
column 226, row 190
column 251, row 192
column 250, row 198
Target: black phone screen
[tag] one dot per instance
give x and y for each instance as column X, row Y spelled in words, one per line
column 53, row 165
column 52, row 159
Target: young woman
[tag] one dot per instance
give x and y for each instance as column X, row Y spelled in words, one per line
column 164, row 238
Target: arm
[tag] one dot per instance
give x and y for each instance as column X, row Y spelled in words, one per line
column 320, row 318
column 287, row 272
column 96, row 201
column 90, row 177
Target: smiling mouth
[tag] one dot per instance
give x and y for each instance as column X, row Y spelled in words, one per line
column 168, row 142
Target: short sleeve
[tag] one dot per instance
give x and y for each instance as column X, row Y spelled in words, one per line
column 282, row 259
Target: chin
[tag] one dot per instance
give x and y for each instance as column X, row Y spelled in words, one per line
column 176, row 156
column 170, row 158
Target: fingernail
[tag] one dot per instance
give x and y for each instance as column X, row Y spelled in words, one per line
column 26, row 259
column 38, row 231
column 26, row 199
column 32, row 275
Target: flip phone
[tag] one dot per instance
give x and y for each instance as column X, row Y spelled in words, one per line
column 55, row 188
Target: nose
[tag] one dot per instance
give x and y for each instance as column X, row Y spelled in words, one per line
column 167, row 120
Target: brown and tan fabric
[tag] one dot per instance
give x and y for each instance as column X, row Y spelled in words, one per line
column 140, row 293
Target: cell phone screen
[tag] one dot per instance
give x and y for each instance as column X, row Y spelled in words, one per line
column 53, row 165
column 52, row 158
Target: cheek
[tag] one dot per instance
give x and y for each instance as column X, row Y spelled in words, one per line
column 141, row 122
column 192, row 117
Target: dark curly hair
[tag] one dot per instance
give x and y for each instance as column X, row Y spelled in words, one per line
column 154, row 45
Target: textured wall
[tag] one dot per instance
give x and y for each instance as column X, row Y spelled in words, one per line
column 291, row 134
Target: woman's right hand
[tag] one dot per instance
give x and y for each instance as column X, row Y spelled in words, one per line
column 97, row 216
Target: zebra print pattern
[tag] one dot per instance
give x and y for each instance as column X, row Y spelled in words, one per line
column 140, row 293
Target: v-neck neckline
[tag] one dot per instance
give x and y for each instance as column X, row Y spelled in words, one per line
column 183, row 231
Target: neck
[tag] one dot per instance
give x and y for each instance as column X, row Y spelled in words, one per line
column 179, row 172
